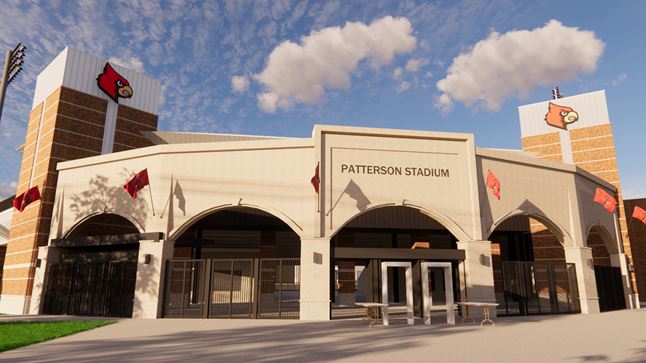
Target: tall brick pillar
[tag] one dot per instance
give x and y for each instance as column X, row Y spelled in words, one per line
column 587, row 143
column 71, row 118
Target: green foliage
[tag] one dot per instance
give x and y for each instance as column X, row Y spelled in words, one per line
column 19, row 334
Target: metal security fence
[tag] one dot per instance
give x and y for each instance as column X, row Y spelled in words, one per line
column 531, row 288
column 185, row 288
column 231, row 294
column 99, row 289
column 232, row 288
column 279, row 293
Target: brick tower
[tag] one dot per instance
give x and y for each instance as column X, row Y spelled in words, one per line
column 586, row 141
column 71, row 118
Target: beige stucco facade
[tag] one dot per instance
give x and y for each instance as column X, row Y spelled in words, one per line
column 442, row 175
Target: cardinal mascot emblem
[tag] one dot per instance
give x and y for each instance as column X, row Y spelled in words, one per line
column 560, row 116
column 113, row 84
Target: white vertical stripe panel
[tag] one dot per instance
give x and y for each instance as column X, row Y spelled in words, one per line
column 109, row 128
column 34, row 160
column 591, row 107
column 78, row 71
column 566, row 147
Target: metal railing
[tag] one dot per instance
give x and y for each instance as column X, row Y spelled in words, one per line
column 232, row 288
column 530, row 288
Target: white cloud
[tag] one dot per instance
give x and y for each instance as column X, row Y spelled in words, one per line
column 397, row 73
column 515, row 62
column 326, row 58
column 620, row 78
column 7, row 189
column 414, row 64
column 239, row 83
column 226, row 104
column 403, row 86
column 132, row 63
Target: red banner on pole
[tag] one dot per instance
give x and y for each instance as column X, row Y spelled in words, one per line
column 605, row 199
column 639, row 214
column 494, row 184
column 316, row 180
column 138, row 182
column 23, row 200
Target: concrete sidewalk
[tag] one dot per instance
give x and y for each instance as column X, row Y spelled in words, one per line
column 610, row 337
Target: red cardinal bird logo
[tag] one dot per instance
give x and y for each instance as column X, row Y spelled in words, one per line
column 113, row 84
column 560, row 116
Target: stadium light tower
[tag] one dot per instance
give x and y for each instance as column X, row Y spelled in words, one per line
column 12, row 67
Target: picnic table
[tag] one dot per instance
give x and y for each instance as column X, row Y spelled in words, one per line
column 485, row 309
column 373, row 311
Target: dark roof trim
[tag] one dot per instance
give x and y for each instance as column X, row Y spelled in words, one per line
column 6, row 204
column 398, row 253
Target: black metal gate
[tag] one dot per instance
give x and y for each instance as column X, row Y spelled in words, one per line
column 609, row 288
column 531, row 288
column 232, row 288
column 100, row 289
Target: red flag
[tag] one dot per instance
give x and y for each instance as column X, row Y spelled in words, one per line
column 137, row 183
column 494, row 184
column 639, row 214
column 23, row 200
column 606, row 200
column 17, row 202
column 316, row 180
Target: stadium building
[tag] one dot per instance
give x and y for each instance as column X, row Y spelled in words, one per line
column 136, row 222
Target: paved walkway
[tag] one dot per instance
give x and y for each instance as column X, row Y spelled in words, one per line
column 610, row 337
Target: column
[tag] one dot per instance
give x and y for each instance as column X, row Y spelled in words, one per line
column 315, row 279
column 47, row 256
column 478, row 268
column 619, row 260
column 149, row 294
column 581, row 257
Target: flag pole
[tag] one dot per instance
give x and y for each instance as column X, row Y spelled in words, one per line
column 151, row 199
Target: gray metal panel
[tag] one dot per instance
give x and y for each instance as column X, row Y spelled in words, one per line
column 82, row 69
column 591, row 107
column 77, row 70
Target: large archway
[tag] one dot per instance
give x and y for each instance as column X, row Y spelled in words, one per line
column 96, row 269
column 531, row 275
column 390, row 234
column 237, row 262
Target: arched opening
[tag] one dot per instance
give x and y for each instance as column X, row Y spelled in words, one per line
column 610, row 288
column 103, row 224
column 96, row 269
column 531, row 275
column 237, row 262
column 390, row 234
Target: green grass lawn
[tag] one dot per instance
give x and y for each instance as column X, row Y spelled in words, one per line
column 15, row 335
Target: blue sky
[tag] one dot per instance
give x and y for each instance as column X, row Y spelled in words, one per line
column 226, row 66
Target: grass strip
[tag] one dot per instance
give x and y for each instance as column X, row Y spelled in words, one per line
column 19, row 334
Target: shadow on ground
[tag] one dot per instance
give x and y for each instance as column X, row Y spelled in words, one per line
column 294, row 341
